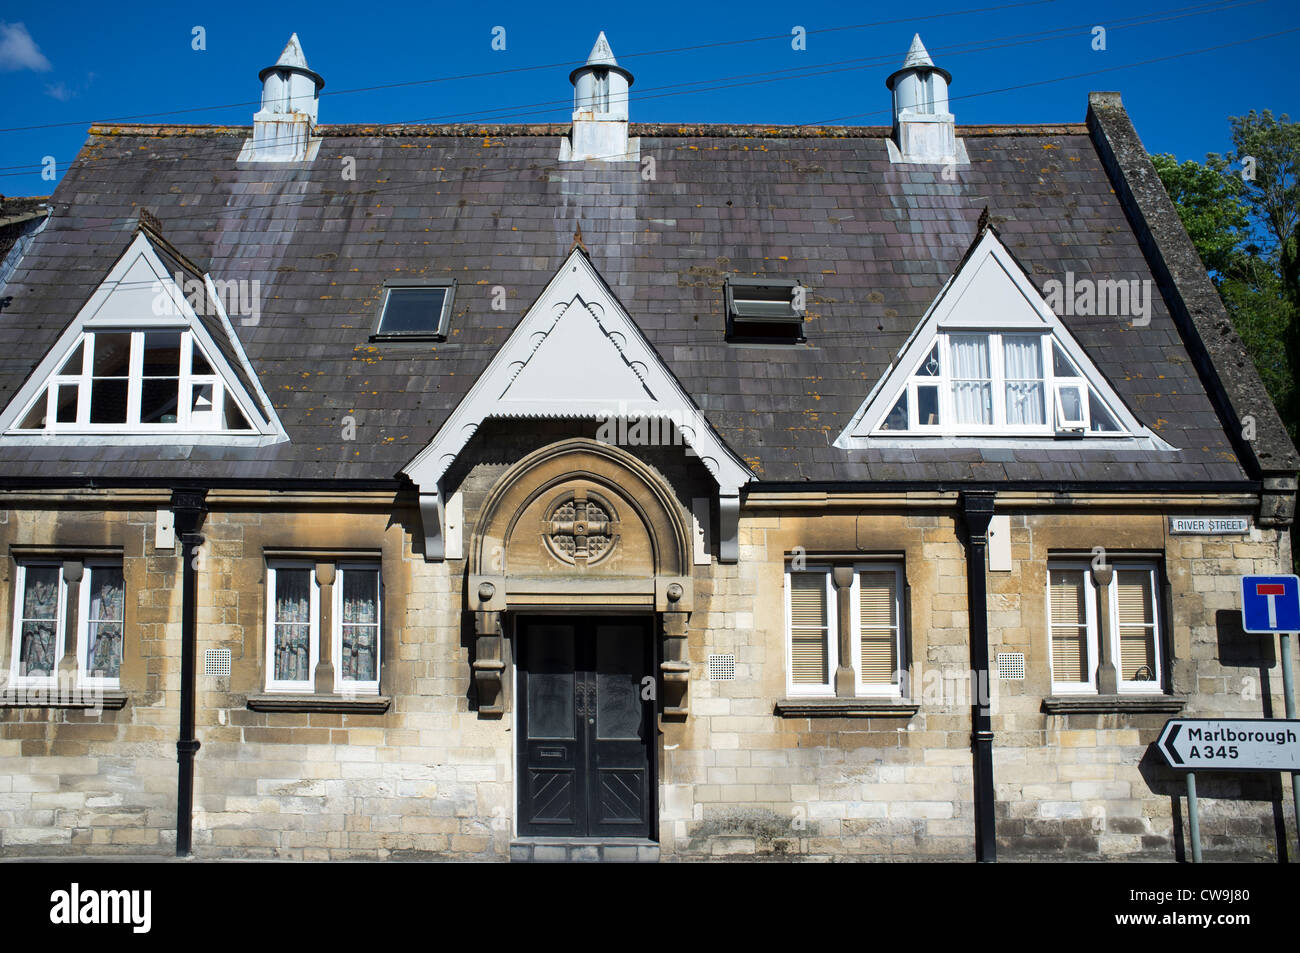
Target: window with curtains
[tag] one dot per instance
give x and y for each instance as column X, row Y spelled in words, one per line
column 1009, row 382
column 41, row 628
column 356, row 642
column 294, row 627
column 876, row 639
column 103, row 611
column 1130, row 629
column 40, row 600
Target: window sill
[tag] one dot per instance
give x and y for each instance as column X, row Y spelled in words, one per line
column 846, row 708
column 339, row 704
column 81, row 698
column 1104, row 704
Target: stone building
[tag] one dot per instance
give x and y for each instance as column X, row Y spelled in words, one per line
column 626, row 491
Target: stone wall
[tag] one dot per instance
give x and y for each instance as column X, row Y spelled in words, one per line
column 430, row 778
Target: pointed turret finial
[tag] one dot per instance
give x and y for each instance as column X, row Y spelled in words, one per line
column 293, row 54
column 601, row 54
column 917, row 55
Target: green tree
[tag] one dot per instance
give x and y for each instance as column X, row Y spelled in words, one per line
column 1242, row 212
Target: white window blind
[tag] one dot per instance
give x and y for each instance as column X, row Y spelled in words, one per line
column 1069, row 625
column 809, row 662
column 1137, row 648
column 879, row 627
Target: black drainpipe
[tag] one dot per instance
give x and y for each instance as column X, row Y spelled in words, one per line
column 188, row 510
column 977, row 510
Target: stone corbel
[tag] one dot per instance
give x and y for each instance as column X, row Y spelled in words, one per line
column 729, row 527
column 489, row 656
column 674, row 594
column 431, row 518
column 675, row 667
column 1277, row 501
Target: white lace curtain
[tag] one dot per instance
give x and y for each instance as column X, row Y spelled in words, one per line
column 293, row 625
column 1023, row 366
column 972, row 385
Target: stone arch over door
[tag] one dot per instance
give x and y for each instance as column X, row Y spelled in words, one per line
column 580, row 525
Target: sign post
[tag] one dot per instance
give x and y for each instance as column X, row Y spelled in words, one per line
column 1227, row 744
column 1272, row 604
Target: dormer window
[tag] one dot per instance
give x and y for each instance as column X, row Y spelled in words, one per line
column 415, row 311
column 997, row 382
column 764, row 310
column 124, row 380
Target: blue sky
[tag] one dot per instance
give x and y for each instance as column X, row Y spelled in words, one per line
column 69, row 64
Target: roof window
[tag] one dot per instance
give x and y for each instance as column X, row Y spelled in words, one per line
column 764, row 310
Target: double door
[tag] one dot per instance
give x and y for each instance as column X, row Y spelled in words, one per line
column 586, row 704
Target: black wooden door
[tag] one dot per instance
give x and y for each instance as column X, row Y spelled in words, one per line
column 586, row 723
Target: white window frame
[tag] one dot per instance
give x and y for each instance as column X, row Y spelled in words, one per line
column 336, row 625
column 83, row 624
column 803, row 689
column 1090, row 615
column 16, row 629
column 187, row 381
column 861, row 688
column 1145, row 687
column 948, row 425
column 273, row 568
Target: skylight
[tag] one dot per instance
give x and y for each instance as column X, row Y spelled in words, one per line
column 416, row 311
column 764, row 310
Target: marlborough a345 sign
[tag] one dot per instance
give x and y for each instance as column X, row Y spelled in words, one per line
column 1221, row 744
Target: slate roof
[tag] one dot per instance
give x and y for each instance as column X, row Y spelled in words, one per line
column 874, row 242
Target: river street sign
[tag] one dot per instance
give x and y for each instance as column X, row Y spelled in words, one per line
column 1228, row 744
column 1270, row 604
column 1209, row 526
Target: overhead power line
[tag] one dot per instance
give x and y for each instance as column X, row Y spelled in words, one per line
column 758, row 78
column 292, row 201
column 562, row 64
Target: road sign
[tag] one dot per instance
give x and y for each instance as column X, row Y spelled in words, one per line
column 1270, row 604
column 1225, row 744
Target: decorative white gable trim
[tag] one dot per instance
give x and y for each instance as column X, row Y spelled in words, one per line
column 141, row 294
column 989, row 292
column 578, row 354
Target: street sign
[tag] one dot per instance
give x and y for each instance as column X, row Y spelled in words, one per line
column 1206, row 526
column 1228, row 744
column 1270, row 604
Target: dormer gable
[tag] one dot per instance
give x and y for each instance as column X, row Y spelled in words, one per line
column 151, row 358
column 578, row 355
column 990, row 362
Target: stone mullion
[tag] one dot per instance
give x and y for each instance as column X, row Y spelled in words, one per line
column 845, row 677
column 1107, row 676
column 73, row 573
column 324, row 675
